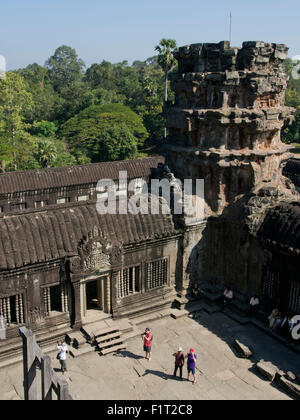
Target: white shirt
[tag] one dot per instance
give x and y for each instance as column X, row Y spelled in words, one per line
column 254, row 302
column 62, row 352
column 228, row 294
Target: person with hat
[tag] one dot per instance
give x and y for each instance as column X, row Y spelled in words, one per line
column 147, row 337
column 179, row 362
column 191, row 364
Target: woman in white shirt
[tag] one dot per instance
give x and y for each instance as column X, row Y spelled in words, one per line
column 62, row 356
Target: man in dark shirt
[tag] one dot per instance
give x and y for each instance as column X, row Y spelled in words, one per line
column 179, row 362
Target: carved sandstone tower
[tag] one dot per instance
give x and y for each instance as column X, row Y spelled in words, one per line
column 225, row 128
column 226, row 122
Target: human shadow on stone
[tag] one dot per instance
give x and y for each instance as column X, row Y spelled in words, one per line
column 128, row 354
column 162, row 375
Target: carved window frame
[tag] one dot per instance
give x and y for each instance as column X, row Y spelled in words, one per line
column 168, row 274
column 126, row 295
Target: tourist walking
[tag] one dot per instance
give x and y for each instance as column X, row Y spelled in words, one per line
column 147, row 337
column 191, row 365
column 179, row 362
column 62, row 356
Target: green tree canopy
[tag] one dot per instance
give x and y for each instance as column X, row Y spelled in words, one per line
column 116, row 143
column 44, row 129
column 291, row 133
column 14, row 101
column 84, row 132
column 64, row 67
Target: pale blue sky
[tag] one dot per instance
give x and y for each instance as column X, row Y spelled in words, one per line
column 117, row 30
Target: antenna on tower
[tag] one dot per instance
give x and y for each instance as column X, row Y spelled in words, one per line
column 230, row 28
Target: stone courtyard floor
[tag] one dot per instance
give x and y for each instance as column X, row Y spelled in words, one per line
column 128, row 376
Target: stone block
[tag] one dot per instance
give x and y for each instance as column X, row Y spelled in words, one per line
column 268, row 370
column 243, row 351
column 290, row 387
column 279, row 375
column 290, row 376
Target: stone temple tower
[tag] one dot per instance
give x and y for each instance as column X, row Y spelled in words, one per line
column 225, row 128
column 226, row 122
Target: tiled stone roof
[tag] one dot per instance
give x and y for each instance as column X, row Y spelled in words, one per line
column 40, row 236
column 11, row 182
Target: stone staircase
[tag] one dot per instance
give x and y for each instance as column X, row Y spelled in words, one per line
column 105, row 339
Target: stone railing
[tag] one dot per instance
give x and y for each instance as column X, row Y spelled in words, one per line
column 33, row 359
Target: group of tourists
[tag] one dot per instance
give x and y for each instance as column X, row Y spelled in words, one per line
column 228, row 296
column 179, row 357
column 283, row 324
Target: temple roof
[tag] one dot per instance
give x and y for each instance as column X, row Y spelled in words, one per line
column 41, row 236
column 11, row 182
column 281, row 227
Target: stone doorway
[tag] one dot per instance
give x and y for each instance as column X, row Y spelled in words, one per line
column 96, row 297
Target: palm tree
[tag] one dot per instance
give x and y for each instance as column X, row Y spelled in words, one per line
column 46, row 152
column 166, row 61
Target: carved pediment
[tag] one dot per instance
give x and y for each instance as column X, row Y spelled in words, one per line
column 96, row 253
column 97, row 260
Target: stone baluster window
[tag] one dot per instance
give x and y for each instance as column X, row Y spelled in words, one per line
column 157, row 274
column 55, row 299
column 270, row 285
column 12, row 309
column 47, row 301
column 294, row 296
column 129, row 282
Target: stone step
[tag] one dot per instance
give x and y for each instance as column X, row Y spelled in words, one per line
column 134, row 333
column 153, row 316
column 177, row 313
column 123, row 325
column 165, row 313
column 11, row 361
column 82, row 351
column 108, row 337
column 113, row 349
column 49, row 349
column 210, row 295
column 76, row 339
column 241, row 319
column 12, row 349
column 110, row 344
column 96, row 318
column 17, row 356
column 145, row 319
column 53, row 334
column 98, row 330
column 157, row 304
